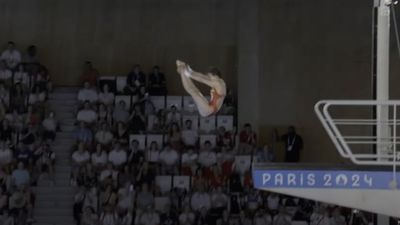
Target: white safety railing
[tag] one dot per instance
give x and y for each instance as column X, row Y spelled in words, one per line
column 357, row 135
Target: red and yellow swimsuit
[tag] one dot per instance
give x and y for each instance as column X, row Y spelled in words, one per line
column 214, row 100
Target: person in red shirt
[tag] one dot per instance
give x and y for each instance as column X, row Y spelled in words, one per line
column 247, row 139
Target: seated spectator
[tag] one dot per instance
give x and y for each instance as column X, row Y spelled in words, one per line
column 90, row 74
column 134, row 80
column 200, row 199
column 144, row 199
column 20, row 177
column 189, row 162
column 137, row 120
column 169, row 160
column 104, row 114
column 6, row 155
column 104, row 136
column 157, row 84
column 27, row 136
column 273, row 203
column 45, row 157
column 5, row 74
column 6, row 218
column 168, row 215
column 106, row 97
column 42, row 79
column 145, row 103
column 109, row 175
column 174, row 136
column 117, row 156
column 21, row 76
column 32, row 117
column 224, row 138
column 6, row 131
column 121, row 112
column 23, row 154
column 89, row 217
column 49, row 125
column 122, row 134
column 126, row 198
column 81, row 156
column 190, row 136
column 87, row 93
column 136, row 155
column 108, row 216
column 173, row 116
column 37, row 96
column 149, row 217
column 337, row 217
column 11, row 56
column 108, row 197
column 153, row 153
column 262, row 218
column 83, row 134
column 126, row 176
column 145, row 175
column 18, row 98
column 187, row 217
column 319, row 216
column 99, row 158
column 229, row 105
column 125, row 217
column 87, row 114
column 207, row 156
column 4, row 95
column 248, row 139
column 219, row 202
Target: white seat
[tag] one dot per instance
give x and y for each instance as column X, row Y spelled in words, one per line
column 208, row 137
column 193, row 118
column 226, row 122
column 121, row 83
column 207, row 124
column 189, row 105
column 125, row 98
column 158, row 102
column 164, row 183
column 159, row 138
column 181, row 182
column 141, row 138
column 174, row 100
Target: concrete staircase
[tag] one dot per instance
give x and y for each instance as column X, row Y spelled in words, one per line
column 54, row 202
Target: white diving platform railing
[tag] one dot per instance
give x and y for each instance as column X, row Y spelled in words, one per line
column 357, row 135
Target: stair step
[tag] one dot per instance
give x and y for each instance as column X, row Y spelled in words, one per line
column 54, row 219
column 63, row 96
column 67, row 128
column 54, row 204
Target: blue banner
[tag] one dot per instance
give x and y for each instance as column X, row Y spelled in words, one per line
column 346, row 179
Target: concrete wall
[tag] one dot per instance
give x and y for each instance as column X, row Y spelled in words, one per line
column 115, row 35
column 312, row 50
column 283, row 55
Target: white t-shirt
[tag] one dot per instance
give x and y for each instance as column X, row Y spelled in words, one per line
column 153, row 156
column 104, row 137
column 5, row 74
column 207, row 158
column 12, row 57
column 106, row 98
column 190, row 137
column 49, row 124
column 87, row 95
column 169, row 157
column 87, row 115
column 33, row 98
column 117, row 157
column 79, row 157
column 189, row 158
column 21, row 77
column 5, row 156
column 99, row 159
column 200, row 200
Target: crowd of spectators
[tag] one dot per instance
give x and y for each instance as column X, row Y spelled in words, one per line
column 26, row 131
column 181, row 180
